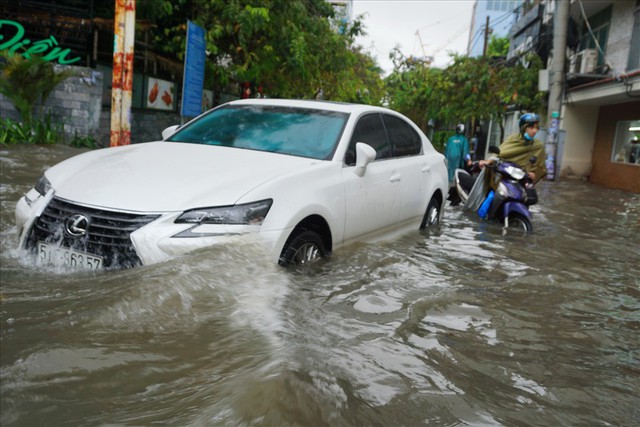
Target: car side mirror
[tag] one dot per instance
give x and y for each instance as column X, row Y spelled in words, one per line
column 365, row 154
column 169, row 131
column 494, row 149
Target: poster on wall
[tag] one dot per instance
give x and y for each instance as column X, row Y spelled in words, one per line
column 160, row 94
column 207, row 100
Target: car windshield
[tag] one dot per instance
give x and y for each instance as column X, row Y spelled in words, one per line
column 294, row 131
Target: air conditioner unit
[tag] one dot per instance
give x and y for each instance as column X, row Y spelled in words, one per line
column 574, row 63
column 588, row 59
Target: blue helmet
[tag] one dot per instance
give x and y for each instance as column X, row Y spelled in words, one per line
column 528, row 119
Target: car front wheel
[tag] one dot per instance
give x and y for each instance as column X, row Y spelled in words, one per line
column 306, row 247
column 432, row 215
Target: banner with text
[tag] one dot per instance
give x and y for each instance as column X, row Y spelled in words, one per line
column 193, row 82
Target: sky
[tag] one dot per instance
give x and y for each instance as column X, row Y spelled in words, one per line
column 443, row 25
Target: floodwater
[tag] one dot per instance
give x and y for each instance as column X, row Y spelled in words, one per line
column 465, row 326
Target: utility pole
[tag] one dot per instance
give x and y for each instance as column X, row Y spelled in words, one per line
column 486, row 37
column 556, row 80
column 122, row 82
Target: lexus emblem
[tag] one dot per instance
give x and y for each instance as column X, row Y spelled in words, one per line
column 77, row 225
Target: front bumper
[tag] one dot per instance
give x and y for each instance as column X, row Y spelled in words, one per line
column 124, row 239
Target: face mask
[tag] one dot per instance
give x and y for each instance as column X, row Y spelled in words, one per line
column 529, row 138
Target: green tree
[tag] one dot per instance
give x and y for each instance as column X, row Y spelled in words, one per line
column 413, row 88
column 290, row 47
column 28, row 81
column 498, row 46
column 470, row 89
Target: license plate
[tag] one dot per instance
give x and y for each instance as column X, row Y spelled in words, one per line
column 64, row 257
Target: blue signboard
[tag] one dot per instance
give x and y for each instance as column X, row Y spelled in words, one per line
column 193, row 81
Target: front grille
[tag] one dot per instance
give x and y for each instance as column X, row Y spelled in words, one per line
column 108, row 232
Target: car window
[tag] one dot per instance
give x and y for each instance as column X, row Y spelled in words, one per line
column 294, row 131
column 369, row 130
column 404, row 139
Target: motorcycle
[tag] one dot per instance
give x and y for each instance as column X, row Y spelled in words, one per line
column 509, row 204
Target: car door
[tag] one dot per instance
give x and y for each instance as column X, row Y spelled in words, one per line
column 373, row 200
column 406, row 146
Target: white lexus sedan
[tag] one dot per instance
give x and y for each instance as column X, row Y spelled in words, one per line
column 304, row 177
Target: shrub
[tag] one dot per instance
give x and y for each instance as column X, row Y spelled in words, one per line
column 27, row 82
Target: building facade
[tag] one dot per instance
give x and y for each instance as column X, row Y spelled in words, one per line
column 343, row 10
column 601, row 107
column 501, row 15
column 599, row 123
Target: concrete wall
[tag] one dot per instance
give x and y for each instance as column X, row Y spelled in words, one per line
column 76, row 103
column 580, row 122
column 7, row 110
column 605, row 172
column 146, row 125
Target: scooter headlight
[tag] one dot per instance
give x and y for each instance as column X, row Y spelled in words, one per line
column 503, row 191
column 515, row 172
column 513, row 191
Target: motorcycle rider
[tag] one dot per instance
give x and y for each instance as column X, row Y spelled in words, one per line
column 522, row 146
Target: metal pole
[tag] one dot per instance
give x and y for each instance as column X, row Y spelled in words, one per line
column 116, row 81
column 556, row 80
column 127, row 72
column 486, row 37
column 122, row 81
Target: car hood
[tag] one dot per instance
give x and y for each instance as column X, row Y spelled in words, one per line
column 167, row 176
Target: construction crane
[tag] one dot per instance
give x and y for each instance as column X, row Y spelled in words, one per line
column 422, row 45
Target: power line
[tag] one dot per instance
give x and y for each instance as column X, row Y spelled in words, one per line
column 476, row 38
column 451, row 39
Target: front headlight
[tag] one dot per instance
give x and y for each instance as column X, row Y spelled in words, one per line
column 515, row 172
column 248, row 213
column 43, row 185
column 514, row 192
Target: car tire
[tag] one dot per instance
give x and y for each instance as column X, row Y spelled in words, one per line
column 305, row 248
column 431, row 216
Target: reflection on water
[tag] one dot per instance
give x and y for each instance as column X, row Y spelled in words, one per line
column 466, row 326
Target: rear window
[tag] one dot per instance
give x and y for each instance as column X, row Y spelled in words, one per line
column 293, row 131
column 404, row 139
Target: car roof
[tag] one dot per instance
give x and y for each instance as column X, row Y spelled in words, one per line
column 344, row 107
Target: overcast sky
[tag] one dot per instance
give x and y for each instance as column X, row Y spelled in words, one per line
column 395, row 22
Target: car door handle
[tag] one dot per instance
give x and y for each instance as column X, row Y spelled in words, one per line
column 395, row 177
column 426, row 169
